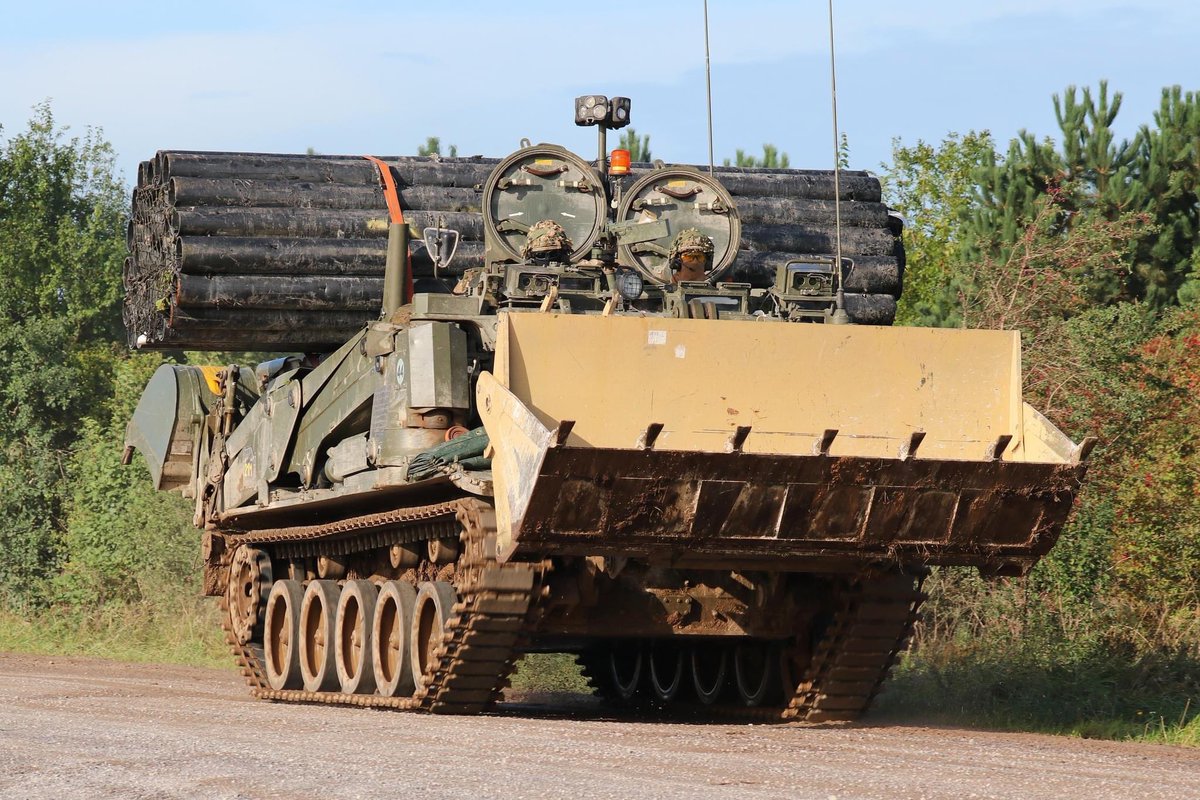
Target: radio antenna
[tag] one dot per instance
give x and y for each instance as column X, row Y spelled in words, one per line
column 708, row 85
column 840, row 317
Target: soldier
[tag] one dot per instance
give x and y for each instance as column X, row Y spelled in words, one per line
column 691, row 256
column 547, row 241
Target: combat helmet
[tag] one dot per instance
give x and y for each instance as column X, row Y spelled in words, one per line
column 547, row 239
column 691, row 242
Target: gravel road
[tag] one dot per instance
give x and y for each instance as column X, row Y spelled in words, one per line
column 79, row 728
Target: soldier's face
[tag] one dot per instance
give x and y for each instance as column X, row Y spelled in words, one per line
column 692, row 265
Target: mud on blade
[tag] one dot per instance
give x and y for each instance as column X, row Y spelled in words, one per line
column 856, row 445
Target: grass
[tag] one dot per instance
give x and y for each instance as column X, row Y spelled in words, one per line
column 549, row 672
column 1094, row 694
column 175, row 630
column 1034, row 683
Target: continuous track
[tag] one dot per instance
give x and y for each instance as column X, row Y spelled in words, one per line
column 853, row 658
column 479, row 647
column 496, row 608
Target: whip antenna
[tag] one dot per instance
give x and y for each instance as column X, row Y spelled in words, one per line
column 839, row 313
column 708, row 84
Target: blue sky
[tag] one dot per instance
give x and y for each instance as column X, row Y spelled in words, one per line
column 378, row 78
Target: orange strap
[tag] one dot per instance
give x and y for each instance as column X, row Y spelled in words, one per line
column 394, row 212
column 389, row 190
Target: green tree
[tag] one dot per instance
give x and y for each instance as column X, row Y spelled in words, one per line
column 638, row 146
column 62, row 215
column 1091, row 172
column 1166, row 184
column 1157, row 531
column 123, row 539
column 771, row 158
column 934, row 188
column 62, row 212
column 433, row 147
column 1044, row 280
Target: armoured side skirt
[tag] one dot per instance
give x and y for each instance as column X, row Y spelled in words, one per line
column 790, row 512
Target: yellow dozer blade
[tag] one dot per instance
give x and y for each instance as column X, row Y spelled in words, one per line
column 735, row 444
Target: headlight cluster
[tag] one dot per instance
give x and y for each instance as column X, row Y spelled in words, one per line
column 596, row 109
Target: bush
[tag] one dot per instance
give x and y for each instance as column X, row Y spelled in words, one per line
column 1007, row 655
column 122, row 534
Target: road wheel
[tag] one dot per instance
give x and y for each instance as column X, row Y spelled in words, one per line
column 435, row 601
column 317, row 625
column 754, row 665
column 626, row 662
column 355, row 615
column 666, row 671
column 709, row 666
column 390, row 632
column 281, row 635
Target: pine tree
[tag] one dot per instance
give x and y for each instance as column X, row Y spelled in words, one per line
column 771, row 158
column 1092, row 173
column 1166, row 185
column 638, row 146
column 433, row 147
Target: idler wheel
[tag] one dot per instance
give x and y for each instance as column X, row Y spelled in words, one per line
column 625, row 668
column 317, row 624
column 247, row 592
column 754, row 672
column 281, row 635
column 666, row 671
column 355, row 615
column 435, row 600
column 709, row 666
column 390, row 631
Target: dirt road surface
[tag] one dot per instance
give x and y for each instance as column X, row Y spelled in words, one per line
column 77, row 728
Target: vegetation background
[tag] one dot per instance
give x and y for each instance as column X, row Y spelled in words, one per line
column 1087, row 244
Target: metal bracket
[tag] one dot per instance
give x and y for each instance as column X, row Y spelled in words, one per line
column 1084, row 449
column 582, row 186
column 635, row 232
column 826, row 442
column 737, row 439
column 510, row 183
column 510, row 225
column 562, row 432
column 998, row 447
column 914, row 441
column 649, row 436
column 642, row 248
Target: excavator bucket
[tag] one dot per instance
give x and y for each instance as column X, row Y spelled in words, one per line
column 740, row 444
column 165, row 426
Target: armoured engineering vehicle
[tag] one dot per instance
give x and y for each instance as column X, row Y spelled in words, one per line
column 717, row 496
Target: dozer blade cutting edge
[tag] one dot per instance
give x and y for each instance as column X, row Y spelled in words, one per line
column 784, row 446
